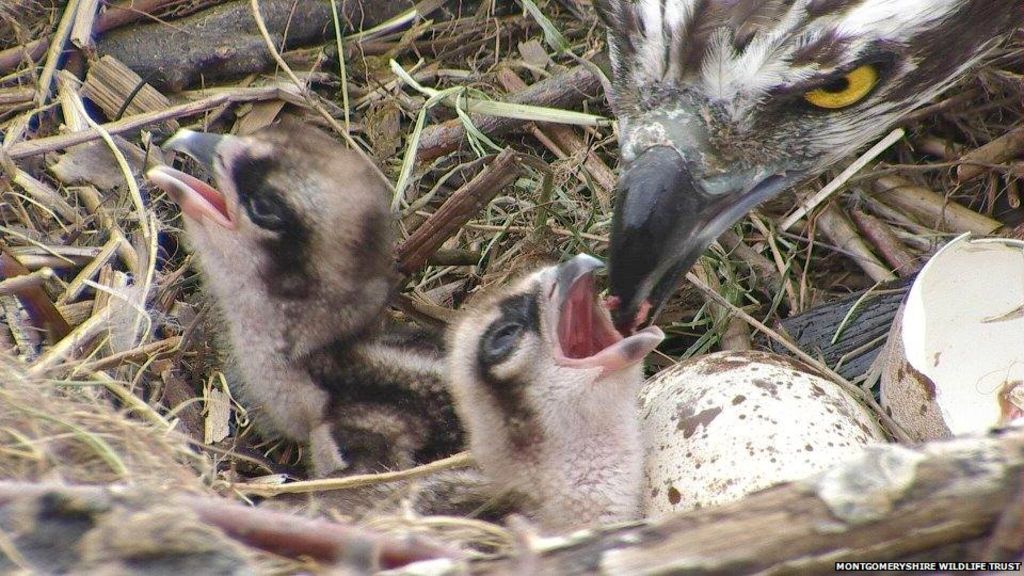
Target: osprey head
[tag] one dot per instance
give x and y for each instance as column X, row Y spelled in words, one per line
column 723, row 104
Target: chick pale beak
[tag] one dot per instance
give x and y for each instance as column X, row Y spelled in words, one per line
column 201, row 146
column 665, row 218
column 197, row 199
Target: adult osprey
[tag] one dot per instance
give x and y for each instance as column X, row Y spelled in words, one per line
column 723, row 104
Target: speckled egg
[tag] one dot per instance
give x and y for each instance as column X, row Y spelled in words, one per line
column 726, row 424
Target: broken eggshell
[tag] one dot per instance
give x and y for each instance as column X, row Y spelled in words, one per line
column 723, row 425
column 955, row 358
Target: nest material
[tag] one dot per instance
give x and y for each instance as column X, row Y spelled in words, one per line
column 94, row 406
column 67, row 432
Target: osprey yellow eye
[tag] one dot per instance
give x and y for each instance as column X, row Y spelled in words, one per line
column 845, row 91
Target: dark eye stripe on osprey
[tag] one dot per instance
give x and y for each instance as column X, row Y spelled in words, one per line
column 723, row 104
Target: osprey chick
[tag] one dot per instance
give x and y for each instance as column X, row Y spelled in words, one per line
column 295, row 245
column 547, row 391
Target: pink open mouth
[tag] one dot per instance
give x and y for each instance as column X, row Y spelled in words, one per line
column 613, row 302
column 197, row 199
column 587, row 338
column 583, row 329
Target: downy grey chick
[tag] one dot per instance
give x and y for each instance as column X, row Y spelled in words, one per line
column 547, row 391
column 295, row 245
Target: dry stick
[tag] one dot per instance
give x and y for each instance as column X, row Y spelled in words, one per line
column 54, row 52
column 883, row 238
column 965, row 97
column 52, row 143
column 41, row 310
column 948, row 150
column 142, row 353
column 566, row 143
column 760, row 265
column 830, row 188
column 782, row 264
column 465, row 203
column 77, row 338
column 12, row 96
column 20, row 284
column 931, row 207
column 46, row 196
column 93, row 202
column 329, row 542
column 275, row 532
column 890, row 214
column 894, row 428
column 132, row 402
column 13, row 57
column 564, row 90
column 834, row 224
column 1006, row 147
column 85, row 24
column 460, row 460
column 736, row 334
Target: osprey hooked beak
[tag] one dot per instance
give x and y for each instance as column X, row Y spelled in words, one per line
column 669, row 209
column 723, row 104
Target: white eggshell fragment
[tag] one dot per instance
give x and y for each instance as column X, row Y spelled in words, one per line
column 723, row 425
column 956, row 362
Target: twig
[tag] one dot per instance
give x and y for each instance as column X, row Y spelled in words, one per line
column 463, row 204
column 53, row 143
column 460, row 460
column 1004, row 148
column 933, row 208
column 564, row 142
column 44, row 315
column 837, row 183
column 834, row 224
column 54, row 52
column 275, row 532
column 888, row 245
column 160, row 347
column 564, row 90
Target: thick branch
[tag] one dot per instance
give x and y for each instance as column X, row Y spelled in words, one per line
column 222, row 42
column 65, row 517
column 937, row 502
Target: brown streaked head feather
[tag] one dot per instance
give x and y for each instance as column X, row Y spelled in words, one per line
column 713, row 115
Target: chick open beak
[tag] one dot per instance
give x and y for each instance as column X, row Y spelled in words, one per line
column 197, row 199
column 585, row 334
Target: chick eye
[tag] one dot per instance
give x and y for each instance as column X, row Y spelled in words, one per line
column 501, row 341
column 845, row 91
column 264, row 212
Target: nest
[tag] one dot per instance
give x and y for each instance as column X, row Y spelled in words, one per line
column 109, row 374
